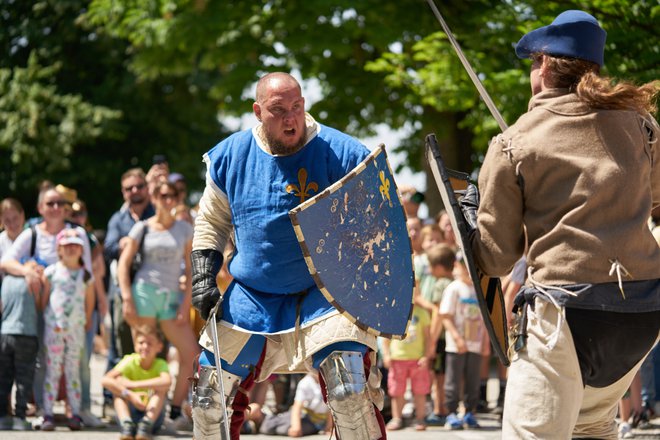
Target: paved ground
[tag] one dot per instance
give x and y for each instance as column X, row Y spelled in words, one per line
column 490, row 426
column 405, row 434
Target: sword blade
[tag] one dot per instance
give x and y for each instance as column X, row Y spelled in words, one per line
column 218, row 368
column 466, row 64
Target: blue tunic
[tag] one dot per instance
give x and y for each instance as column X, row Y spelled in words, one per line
column 268, row 266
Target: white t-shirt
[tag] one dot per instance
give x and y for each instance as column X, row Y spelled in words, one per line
column 460, row 301
column 5, row 244
column 309, row 393
column 162, row 253
column 45, row 247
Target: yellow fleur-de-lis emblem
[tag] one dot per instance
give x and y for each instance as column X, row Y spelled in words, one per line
column 302, row 190
column 385, row 187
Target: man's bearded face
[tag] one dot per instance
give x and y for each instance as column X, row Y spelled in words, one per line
column 282, row 113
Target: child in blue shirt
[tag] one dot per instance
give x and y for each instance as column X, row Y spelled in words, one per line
column 18, row 350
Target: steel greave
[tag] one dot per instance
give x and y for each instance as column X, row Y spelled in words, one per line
column 348, row 397
column 207, row 413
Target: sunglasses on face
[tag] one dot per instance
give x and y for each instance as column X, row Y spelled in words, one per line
column 57, row 203
column 169, row 196
column 139, row 187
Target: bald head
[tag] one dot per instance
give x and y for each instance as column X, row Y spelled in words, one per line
column 280, row 107
column 274, row 81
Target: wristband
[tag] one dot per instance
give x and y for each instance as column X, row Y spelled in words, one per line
column 124, row 393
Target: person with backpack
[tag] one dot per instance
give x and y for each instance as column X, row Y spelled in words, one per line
column 32, row 251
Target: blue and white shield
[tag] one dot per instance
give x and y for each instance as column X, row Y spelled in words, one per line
column 356, row 246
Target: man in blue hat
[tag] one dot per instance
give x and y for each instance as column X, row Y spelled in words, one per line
column 575, row 178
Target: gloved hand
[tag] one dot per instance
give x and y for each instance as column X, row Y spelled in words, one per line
column 206, row 264
column 469, row 205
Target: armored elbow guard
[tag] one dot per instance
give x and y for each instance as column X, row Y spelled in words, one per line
column 349, row 397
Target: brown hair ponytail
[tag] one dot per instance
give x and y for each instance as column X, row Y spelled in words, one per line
column 582, row 77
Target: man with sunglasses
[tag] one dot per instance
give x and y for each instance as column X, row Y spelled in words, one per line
column 137, row 206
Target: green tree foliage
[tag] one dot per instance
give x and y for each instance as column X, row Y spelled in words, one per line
column 169, row 65
column 95, row 117
column 41, row 127
column 232, row 44
column 376, row 62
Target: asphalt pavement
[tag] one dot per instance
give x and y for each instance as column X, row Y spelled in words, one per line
column 490, row 425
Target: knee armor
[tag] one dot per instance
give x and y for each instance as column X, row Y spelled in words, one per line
column 350, row 397
column 207, row 414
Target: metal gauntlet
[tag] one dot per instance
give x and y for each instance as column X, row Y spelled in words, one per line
column 206, row 264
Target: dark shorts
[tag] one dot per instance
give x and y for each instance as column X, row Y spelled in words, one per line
column 439, row 362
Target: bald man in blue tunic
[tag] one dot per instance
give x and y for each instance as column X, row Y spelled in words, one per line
column 273, row 318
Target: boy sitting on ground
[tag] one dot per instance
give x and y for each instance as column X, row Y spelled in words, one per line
column 139, row 384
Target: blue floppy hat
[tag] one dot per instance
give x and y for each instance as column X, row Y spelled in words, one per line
column 573, row 34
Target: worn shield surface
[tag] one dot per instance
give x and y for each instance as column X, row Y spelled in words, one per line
column 357, row 249
column 489, row 290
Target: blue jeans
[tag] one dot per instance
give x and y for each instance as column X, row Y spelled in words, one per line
column 85, row 398
column 137, row 415
column 648, row 377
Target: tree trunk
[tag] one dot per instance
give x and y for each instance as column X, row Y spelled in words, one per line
column 455, row 146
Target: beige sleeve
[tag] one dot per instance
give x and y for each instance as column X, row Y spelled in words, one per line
column 499, row 240
column 213, row 223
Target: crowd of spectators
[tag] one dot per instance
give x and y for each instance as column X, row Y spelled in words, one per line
column 124, row 292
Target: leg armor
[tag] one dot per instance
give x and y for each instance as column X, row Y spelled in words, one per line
column 207, row 414
column 349, row 397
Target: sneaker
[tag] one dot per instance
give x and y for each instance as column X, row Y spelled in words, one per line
column 640, row 420
column 249, row 427
column 482, row 406
column 435, row 419
column 74, row 423
column 90, row 420
column 6, row 423
column 469, row 421
column 37, row 422
column 20, row 424
column 181, row 423
column 48, row 424
column 625, row 431
column 394, row 424
column 498, row 410
column 453, row 422
column 648, row 414
column 144, row 430
column 127, row 430
column 649, row 408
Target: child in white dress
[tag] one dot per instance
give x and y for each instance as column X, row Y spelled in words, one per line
column 68, row 304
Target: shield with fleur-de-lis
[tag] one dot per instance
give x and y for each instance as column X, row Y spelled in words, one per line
column 356, row 246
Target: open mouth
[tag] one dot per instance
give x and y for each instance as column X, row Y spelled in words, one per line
column 290, row 131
